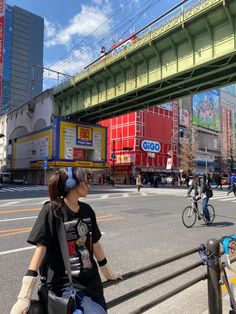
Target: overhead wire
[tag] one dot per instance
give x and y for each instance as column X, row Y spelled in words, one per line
column 111, row 31
column 93, row 32
column 134, row 19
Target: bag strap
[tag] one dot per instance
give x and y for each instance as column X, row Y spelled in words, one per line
column 63, row 246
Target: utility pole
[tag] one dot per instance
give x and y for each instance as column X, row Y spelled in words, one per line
column 113, row 162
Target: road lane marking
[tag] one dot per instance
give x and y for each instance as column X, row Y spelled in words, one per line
column 34, row 217
column 16, row 229
column 10, row 232
column 17, row 250
column 9, row 203
column 233, row 281
column 11, row 211
column 21, row 218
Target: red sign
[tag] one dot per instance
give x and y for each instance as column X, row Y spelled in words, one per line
column 78, row 154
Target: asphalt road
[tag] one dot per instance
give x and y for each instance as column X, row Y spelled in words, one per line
column 138, row 230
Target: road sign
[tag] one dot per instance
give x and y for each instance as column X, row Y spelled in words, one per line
column 113, row 156
column 45, row 164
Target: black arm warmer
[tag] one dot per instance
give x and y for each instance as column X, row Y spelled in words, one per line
column 103, row 262
column 31, row 273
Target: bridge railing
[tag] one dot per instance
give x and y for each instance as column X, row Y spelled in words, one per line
column 211, row 273
column 167, row 21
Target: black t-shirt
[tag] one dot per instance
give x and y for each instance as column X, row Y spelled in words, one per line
column 81, row 232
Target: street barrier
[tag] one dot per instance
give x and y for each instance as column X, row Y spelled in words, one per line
column 210, row 257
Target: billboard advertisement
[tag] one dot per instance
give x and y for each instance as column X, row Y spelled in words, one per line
column 185, row 111
column 206, row 110
column 34, row 146
column 81, row 142
column 230, row 89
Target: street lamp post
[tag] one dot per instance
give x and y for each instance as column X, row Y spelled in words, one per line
column 113, row 162
column 206, row 159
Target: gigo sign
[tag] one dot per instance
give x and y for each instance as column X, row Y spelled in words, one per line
column 151, row 146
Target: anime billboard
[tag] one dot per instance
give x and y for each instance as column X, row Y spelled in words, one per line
column 206, row 110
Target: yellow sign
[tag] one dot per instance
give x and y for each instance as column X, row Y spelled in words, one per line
column 84, row 136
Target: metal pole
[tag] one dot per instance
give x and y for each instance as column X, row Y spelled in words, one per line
column 45, row 176
column 213, row 282
column 172, row 155
column 113, row 163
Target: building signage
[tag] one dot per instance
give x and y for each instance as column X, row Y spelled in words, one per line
column 151, row 146
column 84, row 136
column 169, row 163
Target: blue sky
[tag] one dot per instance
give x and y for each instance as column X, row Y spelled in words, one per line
column 75, row 30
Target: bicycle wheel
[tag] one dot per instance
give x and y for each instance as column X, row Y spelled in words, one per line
column 212, row 215
column 189, row 217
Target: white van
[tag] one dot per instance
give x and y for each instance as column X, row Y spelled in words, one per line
column 6, row 177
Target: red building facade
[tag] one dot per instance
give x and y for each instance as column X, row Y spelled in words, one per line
column 126, row 134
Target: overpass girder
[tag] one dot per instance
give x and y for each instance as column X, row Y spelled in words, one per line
column 161, row 66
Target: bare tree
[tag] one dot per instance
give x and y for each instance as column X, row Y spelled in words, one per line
column 189, row 149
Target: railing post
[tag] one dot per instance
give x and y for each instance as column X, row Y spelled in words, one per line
column 213, row 282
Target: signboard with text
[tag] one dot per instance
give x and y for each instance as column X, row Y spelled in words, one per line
column 84, row 136
column 169, row 163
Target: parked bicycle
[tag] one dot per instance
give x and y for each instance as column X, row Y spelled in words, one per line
column 192, row 212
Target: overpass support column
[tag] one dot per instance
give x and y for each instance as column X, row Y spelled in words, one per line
column 159, row 56
column 210, row 32
column 134, row 71
column 147, row 65
column 191, row 42
column 231, row 20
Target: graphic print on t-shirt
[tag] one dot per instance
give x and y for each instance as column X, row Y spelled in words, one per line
column 77, row 232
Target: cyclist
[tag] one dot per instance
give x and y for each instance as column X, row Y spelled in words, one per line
column 205, row 186
column 194, row 186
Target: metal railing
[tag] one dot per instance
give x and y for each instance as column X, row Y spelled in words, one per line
column 211, row 273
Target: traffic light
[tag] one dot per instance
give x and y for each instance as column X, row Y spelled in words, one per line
column 181, row 133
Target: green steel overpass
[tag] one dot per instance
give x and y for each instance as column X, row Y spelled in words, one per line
column 192, row 51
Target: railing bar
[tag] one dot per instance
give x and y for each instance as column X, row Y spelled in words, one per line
column 150, row 267
column 151, row 285
column 168, row 295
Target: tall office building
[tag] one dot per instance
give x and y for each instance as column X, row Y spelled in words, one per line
column 22, row 33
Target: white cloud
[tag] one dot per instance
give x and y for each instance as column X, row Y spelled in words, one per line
column 82, row 24
column 72, row 65
column 50, row 28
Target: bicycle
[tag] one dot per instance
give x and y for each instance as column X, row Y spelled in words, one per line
column 229, row 246
column 191, row 213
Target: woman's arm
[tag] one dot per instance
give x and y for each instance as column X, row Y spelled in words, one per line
column 29, row 281
column 98, row 251
column 103, row 264
column 37, row 257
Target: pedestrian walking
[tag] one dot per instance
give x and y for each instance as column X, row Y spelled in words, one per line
column 232, row 186
column 139, row 182
column 219, row 182
column 82, row 235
